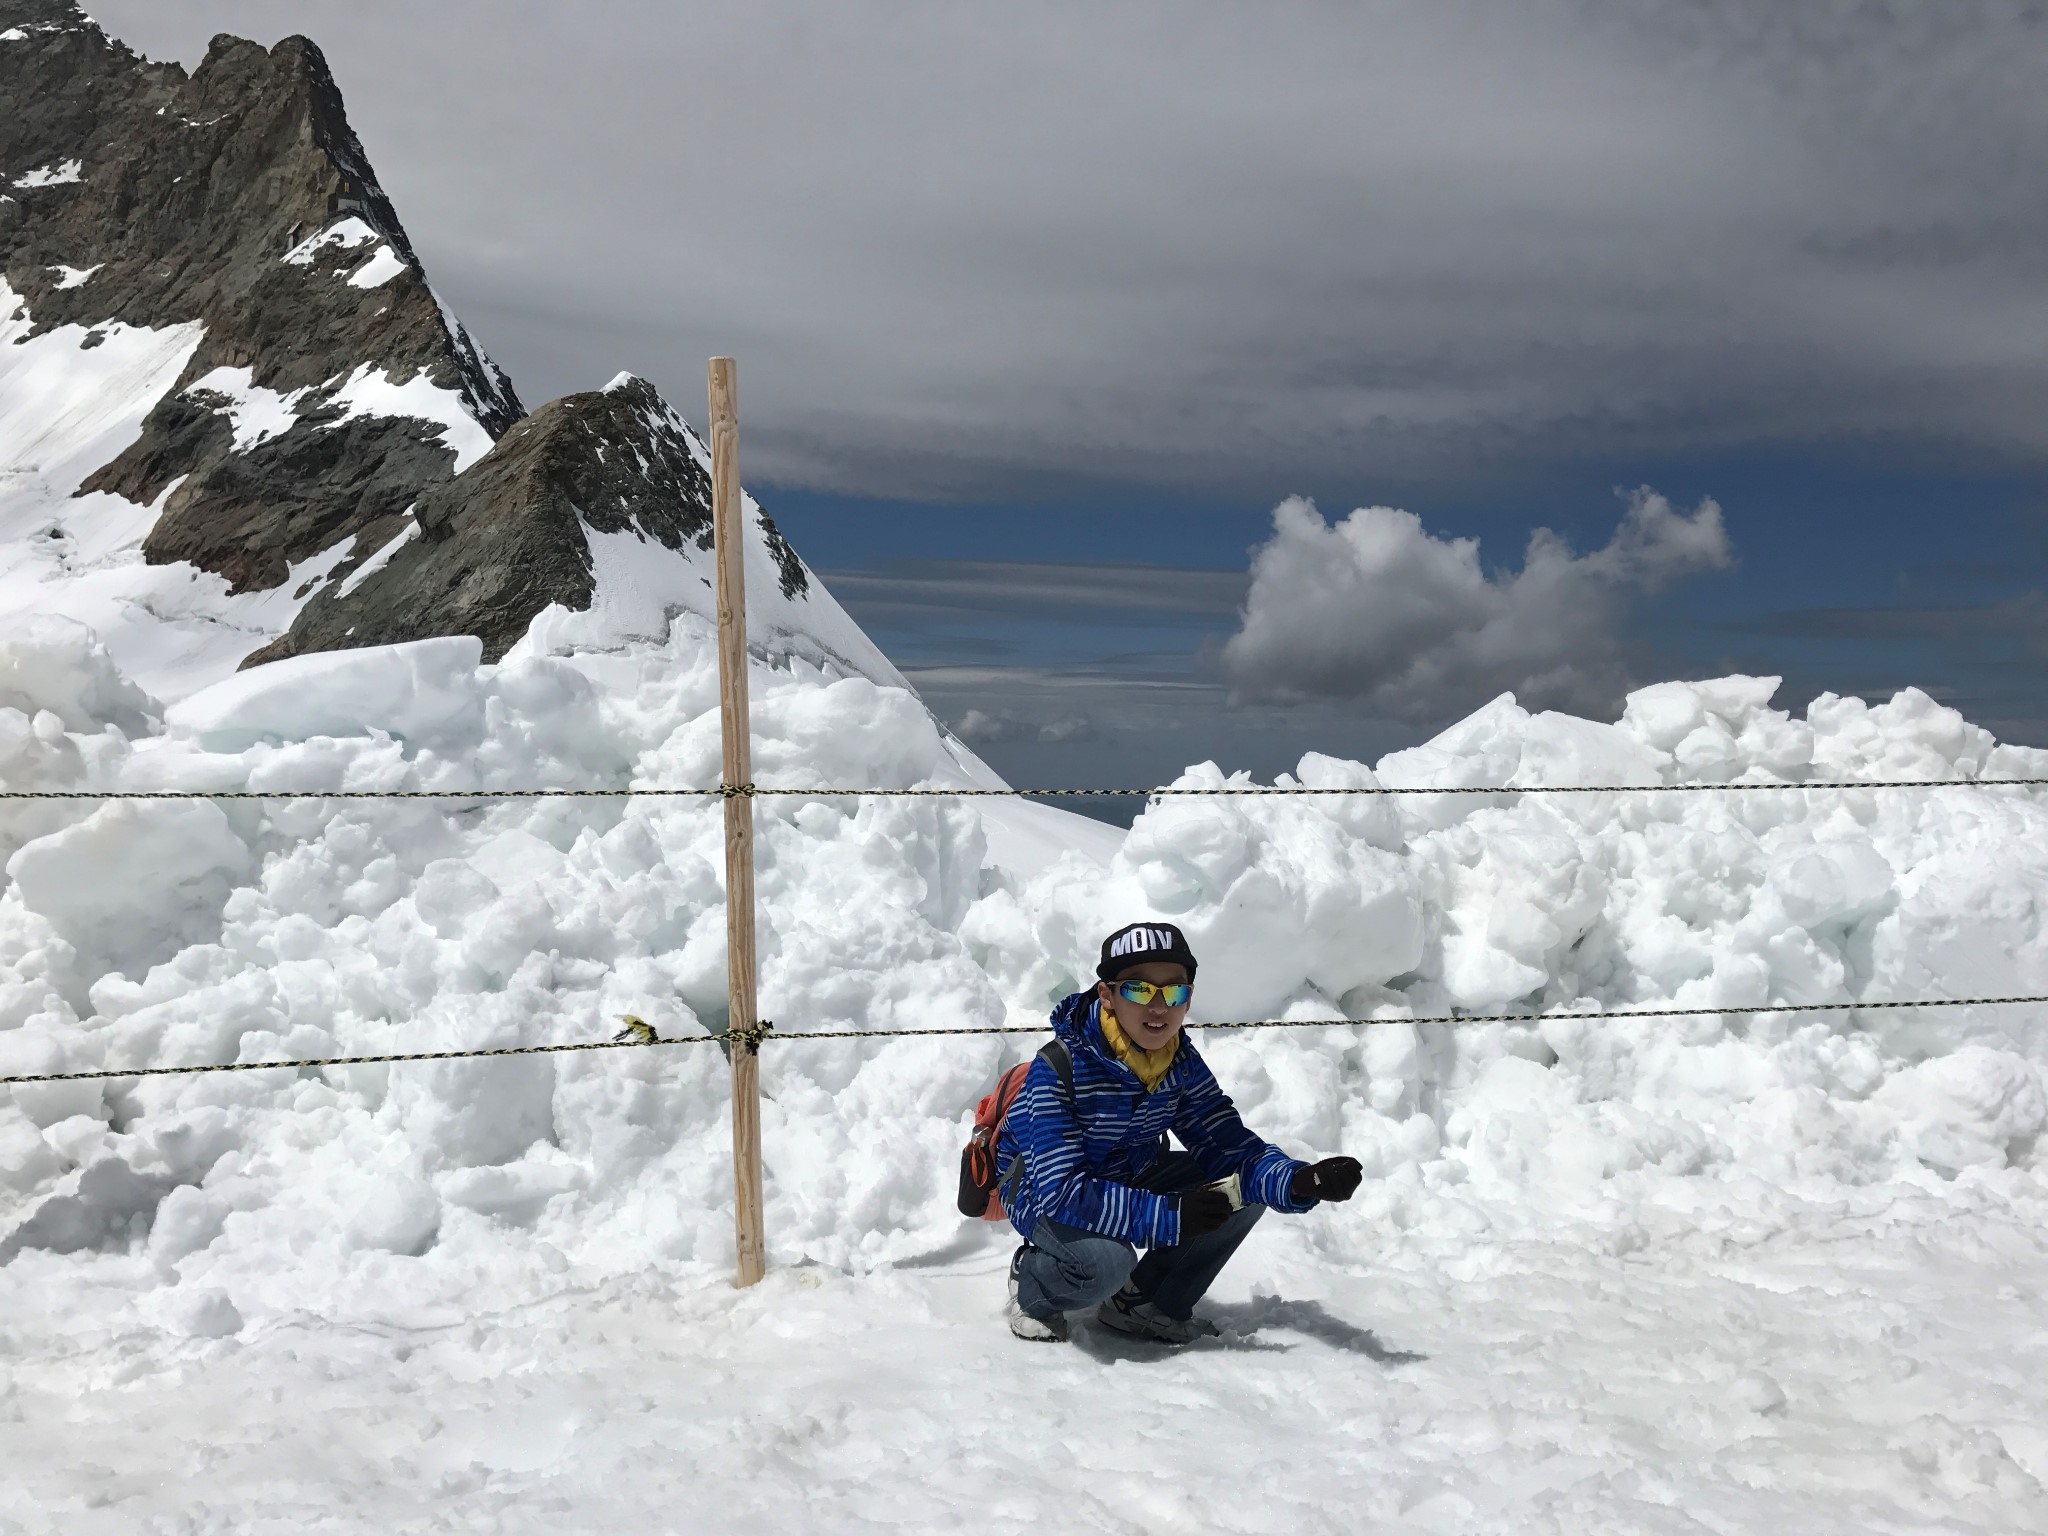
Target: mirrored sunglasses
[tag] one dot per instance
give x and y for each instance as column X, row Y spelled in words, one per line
column 1174, row 993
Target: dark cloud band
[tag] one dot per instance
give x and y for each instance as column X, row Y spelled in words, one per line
column 1221, row 247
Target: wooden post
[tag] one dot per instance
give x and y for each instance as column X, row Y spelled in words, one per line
column 729, row 534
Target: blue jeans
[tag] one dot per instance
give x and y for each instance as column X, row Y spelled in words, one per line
column 1065, row 1269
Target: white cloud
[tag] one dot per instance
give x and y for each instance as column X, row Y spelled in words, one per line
column 981, row 728
column 994, row 727
column 1413, row 627
column 1068, row 728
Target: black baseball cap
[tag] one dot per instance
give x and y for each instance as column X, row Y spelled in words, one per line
column 1144, row 944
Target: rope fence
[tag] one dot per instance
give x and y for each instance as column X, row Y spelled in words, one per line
column 638, row 1033
column 756, row 791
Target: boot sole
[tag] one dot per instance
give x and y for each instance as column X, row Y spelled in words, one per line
column 1048, row 1337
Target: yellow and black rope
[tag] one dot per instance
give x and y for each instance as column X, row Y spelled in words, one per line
column 639, row 1033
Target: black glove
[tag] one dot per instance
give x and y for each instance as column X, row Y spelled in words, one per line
column 1334, row 1178
column 1203, row 1210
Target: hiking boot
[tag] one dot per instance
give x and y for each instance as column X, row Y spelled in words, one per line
column 1125, row 1313
column 1040, row 1330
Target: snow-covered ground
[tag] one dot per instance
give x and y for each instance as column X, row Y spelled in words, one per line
column 1869, row 1366
column 1729, row 1273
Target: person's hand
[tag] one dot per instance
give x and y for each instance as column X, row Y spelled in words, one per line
column 1202, row 1211
column 1334, row 1178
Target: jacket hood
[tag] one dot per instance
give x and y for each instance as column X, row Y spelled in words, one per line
column 1073, row 1020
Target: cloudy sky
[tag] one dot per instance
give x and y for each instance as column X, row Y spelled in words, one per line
column 1164, row 382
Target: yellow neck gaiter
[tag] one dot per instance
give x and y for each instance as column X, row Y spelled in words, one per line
column 1151, row 1066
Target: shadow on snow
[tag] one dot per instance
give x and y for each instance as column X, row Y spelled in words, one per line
column 1241, row 1323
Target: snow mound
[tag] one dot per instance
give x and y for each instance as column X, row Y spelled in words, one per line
column 422, row 691
column 136, row 933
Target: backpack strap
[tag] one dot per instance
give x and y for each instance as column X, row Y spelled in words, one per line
column 1055, row 1051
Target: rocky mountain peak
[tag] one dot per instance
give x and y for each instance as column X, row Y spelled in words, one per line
column 487, row 550
column 231, row 196
column 238, row 199
column 226, row 360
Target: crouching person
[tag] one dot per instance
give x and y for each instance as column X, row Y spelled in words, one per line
column 1089, row 1179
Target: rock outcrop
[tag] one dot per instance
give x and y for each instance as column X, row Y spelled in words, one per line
column 239, row 197
column 337, row 445
column 486, row 551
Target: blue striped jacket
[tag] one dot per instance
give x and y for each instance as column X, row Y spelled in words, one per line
column 1077, row 1159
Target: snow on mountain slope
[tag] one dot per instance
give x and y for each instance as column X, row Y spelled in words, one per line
column 233, row 214
column 588, row 525
column 640, row 583
column 66, row 410
column 244, row 427
column 71, row 401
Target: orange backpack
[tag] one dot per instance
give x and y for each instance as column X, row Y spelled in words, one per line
column 981, row 1182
